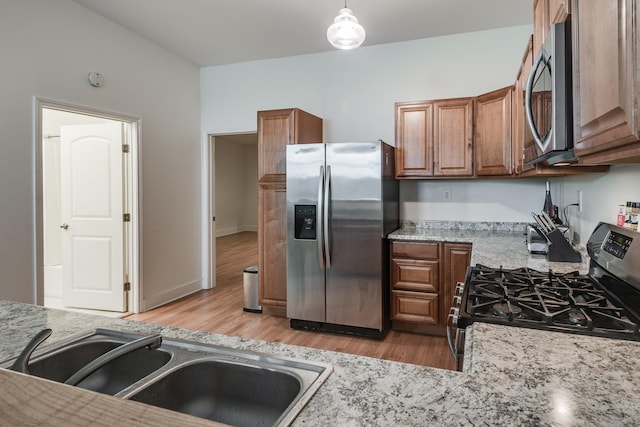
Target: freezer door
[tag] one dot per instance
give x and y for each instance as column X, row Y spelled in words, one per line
column 354, row 274
column 305, row 270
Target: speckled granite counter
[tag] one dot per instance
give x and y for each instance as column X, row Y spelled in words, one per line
column 514, row 376
column 501, row 246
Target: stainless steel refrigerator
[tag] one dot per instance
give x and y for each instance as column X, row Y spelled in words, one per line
column 342, row 201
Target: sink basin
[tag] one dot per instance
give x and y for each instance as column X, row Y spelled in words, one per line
column 112, row 378
column 227, row 392
column 236, row 387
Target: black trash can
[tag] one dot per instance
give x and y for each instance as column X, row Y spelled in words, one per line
column 250, row 280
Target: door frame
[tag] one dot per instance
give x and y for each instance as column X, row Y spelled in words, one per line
column 208, row 204
column 133, row 194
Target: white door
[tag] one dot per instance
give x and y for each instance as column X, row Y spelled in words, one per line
column 91, row 158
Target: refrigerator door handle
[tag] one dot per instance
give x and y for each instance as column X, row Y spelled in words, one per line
column 325, row 215
column 320, row 215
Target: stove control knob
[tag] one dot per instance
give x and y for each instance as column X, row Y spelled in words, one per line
column 457, row 300
column 459, row 288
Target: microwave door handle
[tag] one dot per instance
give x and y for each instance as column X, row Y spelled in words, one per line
column 325, row 219
column 542, row 58
column 319, row 219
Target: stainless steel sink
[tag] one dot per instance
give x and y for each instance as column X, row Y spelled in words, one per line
column 59, row 364
column 229, row 392
column 235, row 387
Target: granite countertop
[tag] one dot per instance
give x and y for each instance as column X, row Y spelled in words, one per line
column 513, row 376
column 494, row 245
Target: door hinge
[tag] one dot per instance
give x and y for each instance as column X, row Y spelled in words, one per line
column 127, row 286
column 125, row 148
column 126, row 217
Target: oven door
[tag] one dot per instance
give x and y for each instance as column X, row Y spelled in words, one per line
column 455, row 335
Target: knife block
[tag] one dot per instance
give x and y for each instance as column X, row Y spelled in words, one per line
column 560, row 250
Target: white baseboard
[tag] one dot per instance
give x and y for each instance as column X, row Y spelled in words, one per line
column 170, row 295
column 234, row 230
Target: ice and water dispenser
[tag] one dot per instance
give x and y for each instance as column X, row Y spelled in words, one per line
column 305, row 222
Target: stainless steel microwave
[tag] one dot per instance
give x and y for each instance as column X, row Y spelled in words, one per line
column 548, row 100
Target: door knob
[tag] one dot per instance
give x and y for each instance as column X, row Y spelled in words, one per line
column 64, row 226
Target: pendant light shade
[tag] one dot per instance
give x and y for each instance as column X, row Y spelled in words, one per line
column 345, row 32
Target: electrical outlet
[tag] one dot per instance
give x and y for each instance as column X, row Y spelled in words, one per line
column 446, row 194
column 579, row 200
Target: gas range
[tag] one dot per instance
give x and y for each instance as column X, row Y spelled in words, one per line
column 605, row 302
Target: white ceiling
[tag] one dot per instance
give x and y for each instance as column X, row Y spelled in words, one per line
column 216, row 32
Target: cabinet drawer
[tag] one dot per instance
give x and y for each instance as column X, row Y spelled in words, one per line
column 417, row 307
column 419, row 250
column 415, row 275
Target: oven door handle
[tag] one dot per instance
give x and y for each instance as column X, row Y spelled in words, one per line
column 452, row 322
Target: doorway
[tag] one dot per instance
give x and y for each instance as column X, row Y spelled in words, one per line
column 87, row 211
column 233, row 189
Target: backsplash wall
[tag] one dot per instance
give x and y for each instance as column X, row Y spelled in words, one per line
column 489, row 200
column 601, row 194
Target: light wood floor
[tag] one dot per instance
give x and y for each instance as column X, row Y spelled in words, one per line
column 219, row 310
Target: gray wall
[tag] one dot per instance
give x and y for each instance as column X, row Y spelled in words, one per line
column 236, row 186
column 48, row 47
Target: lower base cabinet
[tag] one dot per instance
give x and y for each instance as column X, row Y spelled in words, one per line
column 423, row 280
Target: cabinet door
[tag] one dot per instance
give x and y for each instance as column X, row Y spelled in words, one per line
column 605, row 86
column 272, row 241
column 276, row 130
column 414, row 307
column 414, row 140
column 453, row 137
column 559, row 11
column 415, row 275
column 540, row 23
column 415, row 250
column 522, row 137
column 457, row 258
column 493, row 132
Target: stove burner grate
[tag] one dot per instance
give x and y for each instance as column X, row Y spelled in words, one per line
column 523, row 295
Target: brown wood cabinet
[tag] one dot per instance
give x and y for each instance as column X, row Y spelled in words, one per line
column 457, row 258
column 546, row 13
column 423, row 278
column 492, row 134
column 276, row 130
column 522, row 139
column 434, row 138
column 272, row 244
column 606, row 80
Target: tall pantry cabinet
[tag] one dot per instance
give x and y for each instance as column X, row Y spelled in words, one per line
column 276, row 130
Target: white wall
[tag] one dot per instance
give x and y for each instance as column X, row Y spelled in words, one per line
column 236, row 178
column 48, row 47
column 490, row 200
column 601, row 194
column 355, row 91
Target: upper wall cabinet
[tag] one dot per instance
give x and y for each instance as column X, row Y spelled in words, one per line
column 492, row 135
column 546, row 13
column 434, row 138
column 605, row 85
column 522, row 137
column 276, row 130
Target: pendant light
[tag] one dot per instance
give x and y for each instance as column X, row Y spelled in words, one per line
column 345, row 32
